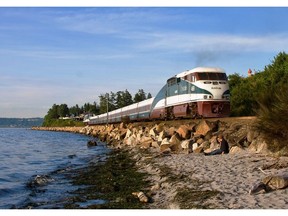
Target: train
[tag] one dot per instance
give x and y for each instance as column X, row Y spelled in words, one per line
column 202, row 92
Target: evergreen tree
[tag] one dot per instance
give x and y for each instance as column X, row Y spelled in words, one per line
column 127, row 98
column 149, row 95
column 63, row 110
column 139, row 96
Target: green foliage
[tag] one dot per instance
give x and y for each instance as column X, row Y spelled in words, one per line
column 273, row 103
column 62, row 123
column 246, row 92
column 20, row 122
column 242, row 97
column 265, row 95
column 120, row 99
column 115, row 101
column 140, row 96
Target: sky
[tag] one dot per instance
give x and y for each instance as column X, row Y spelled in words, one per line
column 55, row 55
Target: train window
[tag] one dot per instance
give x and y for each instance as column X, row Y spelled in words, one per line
column 222, row 76
column 192, row 78
column 172, row 81
column 203, row 76
column 213, row 76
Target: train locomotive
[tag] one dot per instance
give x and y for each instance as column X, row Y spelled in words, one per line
column 200, row 92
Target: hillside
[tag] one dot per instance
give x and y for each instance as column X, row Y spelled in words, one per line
column 20, row 122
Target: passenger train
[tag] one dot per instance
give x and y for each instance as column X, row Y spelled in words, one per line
column 200, row 92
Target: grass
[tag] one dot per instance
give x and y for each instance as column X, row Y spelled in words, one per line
column 194, row 199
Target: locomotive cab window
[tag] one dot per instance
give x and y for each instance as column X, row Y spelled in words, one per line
column 172, row 81
column 211, row 76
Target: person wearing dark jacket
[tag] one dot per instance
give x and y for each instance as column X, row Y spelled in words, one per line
column 224, row 147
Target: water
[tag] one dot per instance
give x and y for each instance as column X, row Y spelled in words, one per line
column 34, row 166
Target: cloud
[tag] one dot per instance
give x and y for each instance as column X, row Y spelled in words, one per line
column 195, row 42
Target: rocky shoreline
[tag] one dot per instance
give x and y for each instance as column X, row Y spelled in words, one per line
column 182, row 177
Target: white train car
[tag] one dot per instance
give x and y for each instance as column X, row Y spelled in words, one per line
column 200, row 92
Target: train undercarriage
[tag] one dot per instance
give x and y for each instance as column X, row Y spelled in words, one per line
column 208, row 109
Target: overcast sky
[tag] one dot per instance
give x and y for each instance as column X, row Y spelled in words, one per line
column 73, row 54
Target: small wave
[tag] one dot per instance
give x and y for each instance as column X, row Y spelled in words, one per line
column 39, row 180
column 5, row 191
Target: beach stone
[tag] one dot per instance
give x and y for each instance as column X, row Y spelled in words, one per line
column 146, row 142
column 152, row 132
column 159, row 128
column 122, row 125
column 236, row 150
column 195, row 146
column 184, row 132
column 165, row 149
column 155, row 144
column 122, row 133
column 175, row 139
column 259, row 145
column 205, row 145
column 198, row 150
column 175, row 143
column 161, row 136
column 270, row 183
column 165, row 142
column 91, row 143
column 202, row 128
column 128, row 134
column 200, row 141
column 187, row 144
column 171, row 131
column 130, row 141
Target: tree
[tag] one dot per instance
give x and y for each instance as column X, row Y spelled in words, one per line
column 273, row 103
column 63, row 110
column 149, row 95
column 53, row 112
column 75, row 110
column 139, row 96
column 127, row 98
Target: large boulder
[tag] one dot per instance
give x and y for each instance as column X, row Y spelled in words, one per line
column 270, row 183
column 202, row 128
column 165, row 144
column 130, row 141
column 146, row 142
column 236, row 150
column 184, row 132
column 259, row 145
column 187, row 144
column 162, row 135
column 175, row 143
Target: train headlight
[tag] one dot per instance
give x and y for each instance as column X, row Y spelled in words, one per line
column 205, row 96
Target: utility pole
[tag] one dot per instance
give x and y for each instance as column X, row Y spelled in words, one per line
column 107, row 98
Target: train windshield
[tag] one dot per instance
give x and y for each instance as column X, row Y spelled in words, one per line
column 211, row 76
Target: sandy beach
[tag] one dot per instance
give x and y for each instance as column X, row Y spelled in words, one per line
column 217, row 182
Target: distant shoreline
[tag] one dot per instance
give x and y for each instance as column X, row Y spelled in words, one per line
column 20, row 122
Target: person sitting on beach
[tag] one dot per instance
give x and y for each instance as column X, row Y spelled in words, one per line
column 224, row 147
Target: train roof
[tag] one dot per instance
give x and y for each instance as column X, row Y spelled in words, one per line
column 201, row 69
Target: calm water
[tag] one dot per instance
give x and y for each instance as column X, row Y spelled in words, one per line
column 33, row 166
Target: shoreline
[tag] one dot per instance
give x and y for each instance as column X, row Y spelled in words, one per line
column 186, row 181
column 195, row 181
column 180, row 179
